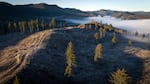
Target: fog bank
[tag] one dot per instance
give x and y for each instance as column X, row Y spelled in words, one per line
column 142, row 26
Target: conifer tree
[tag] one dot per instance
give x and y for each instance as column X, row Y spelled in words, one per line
column 9, row 26
column 32, row 25
column 43, row 24
column 70, row 59
column 37, row 24
column 114, row 39
column 23, row 25
column 120, row 77
column 98, row 52
column 15, row 26
column 104, row 32
column 96, row 35
column 29, row 26
column 52, row 23
column 20, row 25
column 101, row 33
column 16, row 81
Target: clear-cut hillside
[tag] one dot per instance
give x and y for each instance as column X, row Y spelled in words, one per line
column 15, row 58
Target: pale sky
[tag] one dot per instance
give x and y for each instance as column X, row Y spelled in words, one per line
column 90, row 5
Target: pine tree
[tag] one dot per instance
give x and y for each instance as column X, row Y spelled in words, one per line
column 32, row 25
column 104, row 32
column 70, row 57
column 114, row 39
column 20, row 25
column 23, row 25
column 120, row 77
column 110, row 27
column 98, row 52
column 43, row 24
column 9, row 27
column 52, row 23
column 15, row 26
column 29, row 25
column 37, row 24
column 16, row 81
column 101, row 33
column 96, row 35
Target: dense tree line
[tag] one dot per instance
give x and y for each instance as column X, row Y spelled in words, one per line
column 26, row 25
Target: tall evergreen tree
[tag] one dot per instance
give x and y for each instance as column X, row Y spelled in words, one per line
column 70, row 57
column 15, row 26
column 96, row 35
column 98, row 52
column 52, row 23
column 37, row 24
column 9, row 27
column 101, row 33
column 114, row 39
column 120, row 77
column 42, row 24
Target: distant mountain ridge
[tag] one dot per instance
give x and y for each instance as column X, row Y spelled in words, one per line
column 123, row 14
column 30, row 10
column 45, row 10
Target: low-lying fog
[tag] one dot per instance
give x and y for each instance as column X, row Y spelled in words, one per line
column 141, row 26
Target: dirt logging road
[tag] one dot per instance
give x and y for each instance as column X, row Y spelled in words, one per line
column 14, row 58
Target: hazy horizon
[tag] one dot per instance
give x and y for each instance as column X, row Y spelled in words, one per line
column 90, row 5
